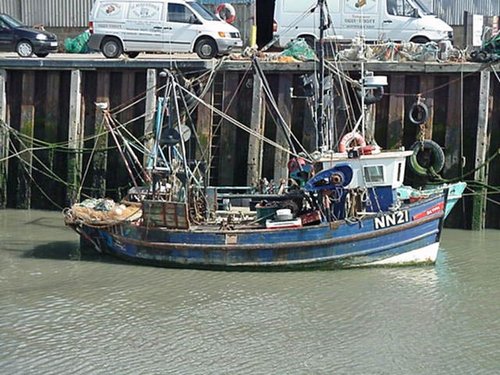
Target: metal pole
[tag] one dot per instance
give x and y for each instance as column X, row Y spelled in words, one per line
column 320, row 110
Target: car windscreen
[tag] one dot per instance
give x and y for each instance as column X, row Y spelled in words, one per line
column 11, row 21
column 202, row 11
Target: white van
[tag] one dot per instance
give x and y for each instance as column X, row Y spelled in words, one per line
column 376, row 20
column 134, row 26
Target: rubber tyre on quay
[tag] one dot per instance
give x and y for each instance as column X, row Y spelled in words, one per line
column 206, row 48
column 111, row 48
column 24, row 48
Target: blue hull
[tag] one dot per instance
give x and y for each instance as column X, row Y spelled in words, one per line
column 370, row 241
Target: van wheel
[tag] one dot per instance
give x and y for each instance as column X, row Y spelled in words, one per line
column 206, row 48
column 132, row 55
column 420, row 40
column 111, row 48
column 24, row 48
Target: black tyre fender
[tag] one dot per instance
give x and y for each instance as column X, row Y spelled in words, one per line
column 206, row 48
column 111, row 47
column 427, row 158
column 373, row 95
column 418, row 114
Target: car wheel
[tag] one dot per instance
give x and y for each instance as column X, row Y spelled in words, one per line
column 206, row 48
column 24, row 48
column 42, row 55
column 111, row 48
column 132, row 55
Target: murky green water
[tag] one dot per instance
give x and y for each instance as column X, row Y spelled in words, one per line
column 62, row 312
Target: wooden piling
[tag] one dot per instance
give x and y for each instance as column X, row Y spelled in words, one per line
column 228, row 139
column 481, row 174
column 75, row 138
column 26, row 130
column 204, row 129
column 100, row 159
column 4, row 139
column 285, row 106
column 257, row 123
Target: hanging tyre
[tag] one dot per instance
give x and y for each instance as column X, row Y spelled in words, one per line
column 419, row 113
column 427, row 158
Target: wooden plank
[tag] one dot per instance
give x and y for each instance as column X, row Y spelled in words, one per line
column 151, row 82
column 27, row 127
column 257, row 124
column 396, row 114
column 99, row 162
column 4, row 139
column 228, row 140
column 481, row 174
column 75, row 138
column 285, row 106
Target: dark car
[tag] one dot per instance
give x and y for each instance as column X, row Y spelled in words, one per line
column 25, row 40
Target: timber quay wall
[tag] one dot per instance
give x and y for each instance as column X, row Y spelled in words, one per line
column 54, row 147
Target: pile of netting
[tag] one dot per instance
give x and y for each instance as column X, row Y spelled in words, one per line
column 101, row 212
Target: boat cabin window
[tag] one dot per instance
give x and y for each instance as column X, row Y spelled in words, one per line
column 374, row 173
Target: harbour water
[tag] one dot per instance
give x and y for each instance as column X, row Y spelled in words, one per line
column 67, row 312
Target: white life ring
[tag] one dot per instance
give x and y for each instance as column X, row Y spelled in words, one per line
column 226, row 12
column 347, row 139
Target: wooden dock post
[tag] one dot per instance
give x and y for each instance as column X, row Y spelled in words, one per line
column 481, row 174
column 149, row 120
column 4, row 139
column 75, row 138
column 205, row 119
column 285, row 105
column 228, row 139
column 99, row 164
column 255, row 144
column 26, row 129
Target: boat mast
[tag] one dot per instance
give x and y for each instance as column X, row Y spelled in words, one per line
column 320, row 114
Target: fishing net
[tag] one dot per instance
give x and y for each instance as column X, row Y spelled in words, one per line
column 300, row 50
column 78, row 44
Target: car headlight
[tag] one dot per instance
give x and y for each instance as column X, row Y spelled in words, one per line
column 41, row 37
column 222, row 34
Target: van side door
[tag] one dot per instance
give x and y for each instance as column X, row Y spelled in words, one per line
column 182, row 28
column 144, row 26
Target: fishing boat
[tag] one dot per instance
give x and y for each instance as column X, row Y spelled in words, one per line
column 343, row 206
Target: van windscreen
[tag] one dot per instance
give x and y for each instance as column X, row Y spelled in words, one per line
column 202, row 11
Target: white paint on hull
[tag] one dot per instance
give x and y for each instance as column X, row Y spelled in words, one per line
column 426, row 254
